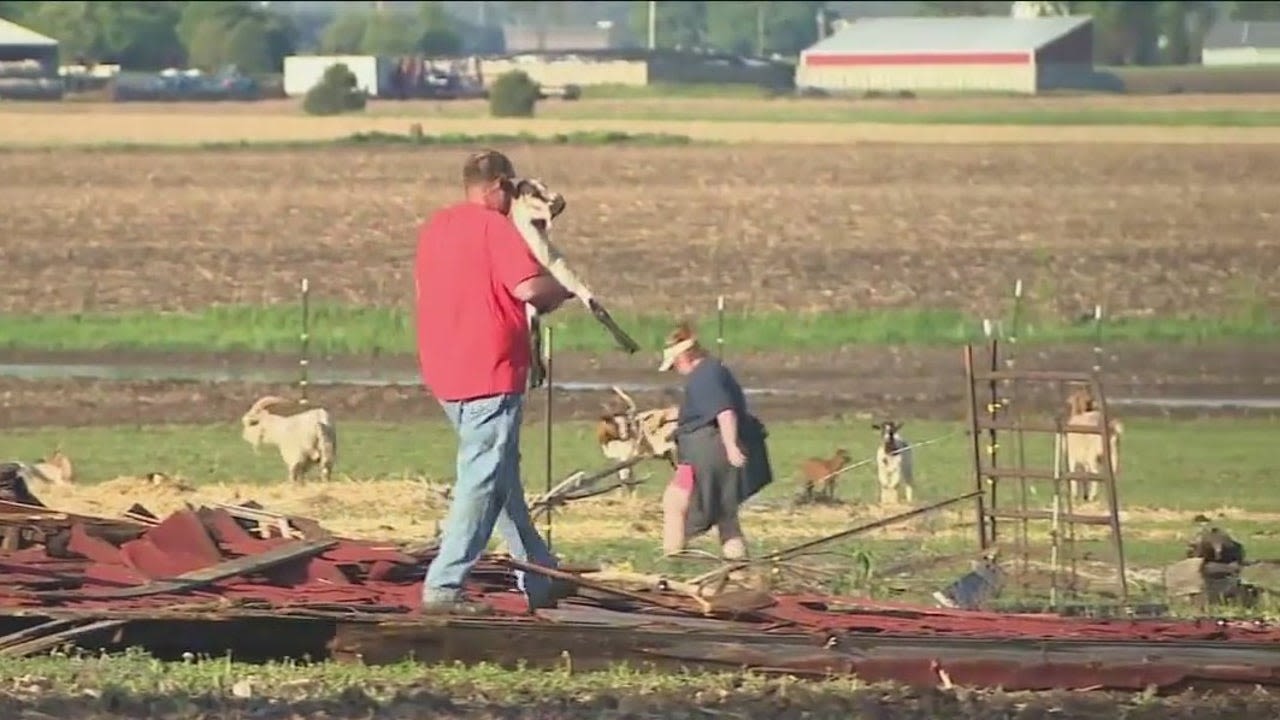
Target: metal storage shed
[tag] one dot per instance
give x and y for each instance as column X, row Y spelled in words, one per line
column 1000, row 54
column 18, row 43
column 1242, row 43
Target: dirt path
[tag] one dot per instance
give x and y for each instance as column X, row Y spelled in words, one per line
column 916, row 382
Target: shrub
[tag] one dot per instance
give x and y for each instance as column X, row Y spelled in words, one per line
column 336, row 93
column 514, row 94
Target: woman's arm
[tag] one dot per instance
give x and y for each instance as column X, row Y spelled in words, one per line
column 728, row 422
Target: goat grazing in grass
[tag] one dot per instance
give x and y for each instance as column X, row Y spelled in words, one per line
column 306, row 439
column 624, row 433
column 1084, row 452
column 894, row 465
column 819, row 474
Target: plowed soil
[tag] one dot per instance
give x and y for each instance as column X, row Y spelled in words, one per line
column 916, row 382
column 1144, row 229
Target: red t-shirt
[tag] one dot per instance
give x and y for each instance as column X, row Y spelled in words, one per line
column 472, row 332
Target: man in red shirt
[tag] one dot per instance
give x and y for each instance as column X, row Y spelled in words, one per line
column 473, row 276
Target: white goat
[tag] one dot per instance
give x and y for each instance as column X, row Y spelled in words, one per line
column 625, row 433
column 305, row 439
column 1084, row 452
column 894, row 465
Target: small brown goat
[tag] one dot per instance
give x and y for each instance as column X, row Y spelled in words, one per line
column 820, row 474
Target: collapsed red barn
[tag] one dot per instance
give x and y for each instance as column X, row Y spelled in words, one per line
column 201, row 581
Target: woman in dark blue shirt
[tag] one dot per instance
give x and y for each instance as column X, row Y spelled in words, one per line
column 721, row 454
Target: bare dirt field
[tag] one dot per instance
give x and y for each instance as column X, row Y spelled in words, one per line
column 194, row 125
column 915, row 382
column 692, row 106
column 1145, row 230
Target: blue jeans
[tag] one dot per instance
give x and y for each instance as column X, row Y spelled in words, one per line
column 487, row 494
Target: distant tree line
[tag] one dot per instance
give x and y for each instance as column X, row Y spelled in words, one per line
column 1139, row 32
column 158, row 34
column 1134, row 32
column 209, row 34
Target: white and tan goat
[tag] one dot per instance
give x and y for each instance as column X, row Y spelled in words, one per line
column 306, row 439
column 895, row 467
column 625, row 433
column 1085, row 452
column 55, row 469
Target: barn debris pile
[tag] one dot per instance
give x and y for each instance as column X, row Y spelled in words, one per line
column 84, row 562
column 247, row 581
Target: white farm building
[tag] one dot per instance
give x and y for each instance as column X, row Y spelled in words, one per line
column 951, row 54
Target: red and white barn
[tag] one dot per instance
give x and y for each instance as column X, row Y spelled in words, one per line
column 956, row 54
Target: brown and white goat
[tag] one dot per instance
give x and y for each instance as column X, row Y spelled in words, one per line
column 895, row 471
column 1084, row 452
column 819, row 474
column 624, row 433
column 305, row 439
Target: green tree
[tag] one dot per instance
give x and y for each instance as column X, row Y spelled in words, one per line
column 679, row 23
column 1252, row 10
column 138, row 35
column 205, row 28
column 438, row 34
column 336, row 93
column 762, row 27
column 387, row 34
column 344, row 35
column 141, row 34
column 14, row 10
column 248, row 47
column 791, row 26
column 952, row 9
column 514, row 94
column 72, row 24
column 221, row 14
column 1124, row 33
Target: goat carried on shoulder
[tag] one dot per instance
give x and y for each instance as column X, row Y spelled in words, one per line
column 533, row 208
column 305, row 439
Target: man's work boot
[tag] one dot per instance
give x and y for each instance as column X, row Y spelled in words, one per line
column 458, row 607
column 558, row 590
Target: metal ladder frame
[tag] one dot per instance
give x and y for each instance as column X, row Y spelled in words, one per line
column 988, row 473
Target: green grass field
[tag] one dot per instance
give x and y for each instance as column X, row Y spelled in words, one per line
column 1171, row 470
column 135, row 686
column 754, row 107
column 356, row 330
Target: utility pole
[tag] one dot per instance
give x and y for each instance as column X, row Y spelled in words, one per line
column 653, row 24
column 760, row 29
